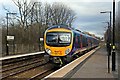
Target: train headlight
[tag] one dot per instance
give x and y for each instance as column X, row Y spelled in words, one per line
column 48, row 51
column 67, row 51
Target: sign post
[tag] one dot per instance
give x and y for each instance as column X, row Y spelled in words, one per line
column 10, row 38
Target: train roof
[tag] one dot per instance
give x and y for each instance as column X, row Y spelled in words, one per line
column 60, row 26
column 70, row 28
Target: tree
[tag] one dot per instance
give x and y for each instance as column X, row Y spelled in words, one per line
column 24, row 10
column 58, row 13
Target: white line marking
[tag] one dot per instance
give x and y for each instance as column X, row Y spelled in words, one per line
column 23, row 55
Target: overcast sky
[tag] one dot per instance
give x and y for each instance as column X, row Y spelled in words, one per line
column 88, row 17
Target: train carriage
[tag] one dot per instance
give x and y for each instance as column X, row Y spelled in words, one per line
column 61, row 43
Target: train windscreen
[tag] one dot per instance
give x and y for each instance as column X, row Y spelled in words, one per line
column 58, row 38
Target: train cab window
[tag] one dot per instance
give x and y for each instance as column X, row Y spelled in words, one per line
column 58, row 38
column 64, row 37
column 52, row 38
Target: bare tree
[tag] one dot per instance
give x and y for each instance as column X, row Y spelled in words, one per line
column 46, row 13
column 24, row 10
column 61, row 14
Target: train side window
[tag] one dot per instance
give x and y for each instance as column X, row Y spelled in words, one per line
column 90, row 42
column 76, row 39
column 79, row 41
column 84, row 41
column 87, row 43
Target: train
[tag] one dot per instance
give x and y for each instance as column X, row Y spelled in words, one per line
column 62, row 43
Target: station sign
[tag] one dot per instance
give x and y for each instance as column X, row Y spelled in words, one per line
column 10, row 38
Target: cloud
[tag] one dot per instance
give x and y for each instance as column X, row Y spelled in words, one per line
column 87, row 13
column 88, row 16
column 8, row 4
column 86, row 8
column 76, row 0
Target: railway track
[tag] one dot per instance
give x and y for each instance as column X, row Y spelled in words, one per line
column 42, row 74
column 14, row 67
column 19, row 64
column 13, row 63
column 26, row 68
column 33, row 73
column 21, row 69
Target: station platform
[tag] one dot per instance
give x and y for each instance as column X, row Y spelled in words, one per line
column 94, row 67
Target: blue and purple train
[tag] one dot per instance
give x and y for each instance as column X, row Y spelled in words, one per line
column 62, row 43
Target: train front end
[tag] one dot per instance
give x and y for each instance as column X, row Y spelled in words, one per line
column 58, row 45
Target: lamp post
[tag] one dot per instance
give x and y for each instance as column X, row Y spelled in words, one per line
column 7, row 52
column 113, row 52
column 108, row 39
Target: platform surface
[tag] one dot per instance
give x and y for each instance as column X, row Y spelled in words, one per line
column 22, row 55
column 96, row 66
